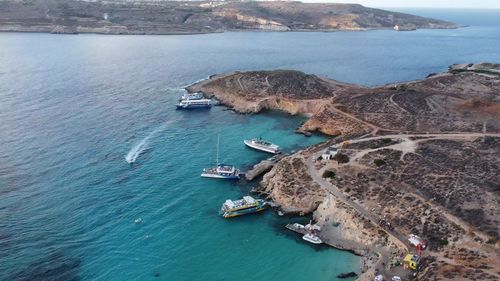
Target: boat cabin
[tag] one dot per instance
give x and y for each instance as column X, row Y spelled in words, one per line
column 226, row 170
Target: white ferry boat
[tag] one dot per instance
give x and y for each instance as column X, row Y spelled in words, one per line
column 247, row 205
column 195, row 104
column 221, row 171
column 262, row 145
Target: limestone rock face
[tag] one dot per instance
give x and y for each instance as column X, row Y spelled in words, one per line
column 352, row 226
column 289, row 186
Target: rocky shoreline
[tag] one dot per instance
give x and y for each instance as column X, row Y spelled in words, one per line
column 394, row 137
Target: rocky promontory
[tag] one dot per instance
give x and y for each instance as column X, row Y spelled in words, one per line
column 418, row 157
column 464, row 99
column 190, row 17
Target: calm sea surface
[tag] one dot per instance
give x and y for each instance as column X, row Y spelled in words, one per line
column 73, row 107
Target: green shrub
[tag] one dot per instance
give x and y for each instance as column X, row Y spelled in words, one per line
column 443, row 242
column 320, row 158
column 341, row 158
column 379, row 162
column 386, row 140
column 348, row 190
column 329, row 174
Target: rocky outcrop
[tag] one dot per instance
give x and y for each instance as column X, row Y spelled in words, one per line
column 352, row 226
column 290, row 187
column 252, row 21
column 465, row 99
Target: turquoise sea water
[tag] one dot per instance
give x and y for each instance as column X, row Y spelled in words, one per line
column 73, row 107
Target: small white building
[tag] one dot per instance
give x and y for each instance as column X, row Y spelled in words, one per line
column 329, row 153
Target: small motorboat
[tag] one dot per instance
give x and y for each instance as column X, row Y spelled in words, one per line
column 262, row 145
column 311, row 238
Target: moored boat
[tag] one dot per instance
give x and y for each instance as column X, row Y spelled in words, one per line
column 221, row 171
column 245, row 206
column 195, row 104
column 262, row 145
column 312, row 238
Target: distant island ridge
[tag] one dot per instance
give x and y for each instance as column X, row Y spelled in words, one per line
column 192, row 17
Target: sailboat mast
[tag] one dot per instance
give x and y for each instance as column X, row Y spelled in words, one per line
column 217, row 159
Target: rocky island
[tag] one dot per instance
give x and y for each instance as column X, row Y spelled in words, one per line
column 189, row 17
column 419, row 157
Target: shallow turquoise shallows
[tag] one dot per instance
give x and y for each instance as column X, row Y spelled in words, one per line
column 73, row 108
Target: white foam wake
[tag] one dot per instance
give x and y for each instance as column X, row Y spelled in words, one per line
column 197, row 81
column 140, row 147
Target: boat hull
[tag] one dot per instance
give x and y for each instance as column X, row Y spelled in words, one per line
column 311, row 240
column 193, row 107
column 238, row 213
column 260, row 148
column 216, row 176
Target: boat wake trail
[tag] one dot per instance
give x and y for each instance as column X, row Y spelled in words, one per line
column 140, row 147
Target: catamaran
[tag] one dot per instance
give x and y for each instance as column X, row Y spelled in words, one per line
column 262, row 145
column 247, row 205
column 195, row 104
column 221, row 171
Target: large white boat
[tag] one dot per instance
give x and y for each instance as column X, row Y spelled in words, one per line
column 195, row 104
column 262, row 145
column 221, row 171
column 247, row 205
column 312, row 238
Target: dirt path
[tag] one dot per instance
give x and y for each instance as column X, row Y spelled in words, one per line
column 337, row 193
column 391, row 99
column 405, row 146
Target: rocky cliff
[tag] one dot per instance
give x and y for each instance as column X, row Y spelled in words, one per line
column 289, row 186
column 464, row 99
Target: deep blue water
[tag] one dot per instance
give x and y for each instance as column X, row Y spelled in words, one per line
column 73, row 107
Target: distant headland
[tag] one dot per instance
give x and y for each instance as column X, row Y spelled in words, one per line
column 192, row 17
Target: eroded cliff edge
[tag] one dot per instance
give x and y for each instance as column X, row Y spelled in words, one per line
column 422, row 158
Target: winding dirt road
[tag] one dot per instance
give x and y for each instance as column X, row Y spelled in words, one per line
column 405, row 148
